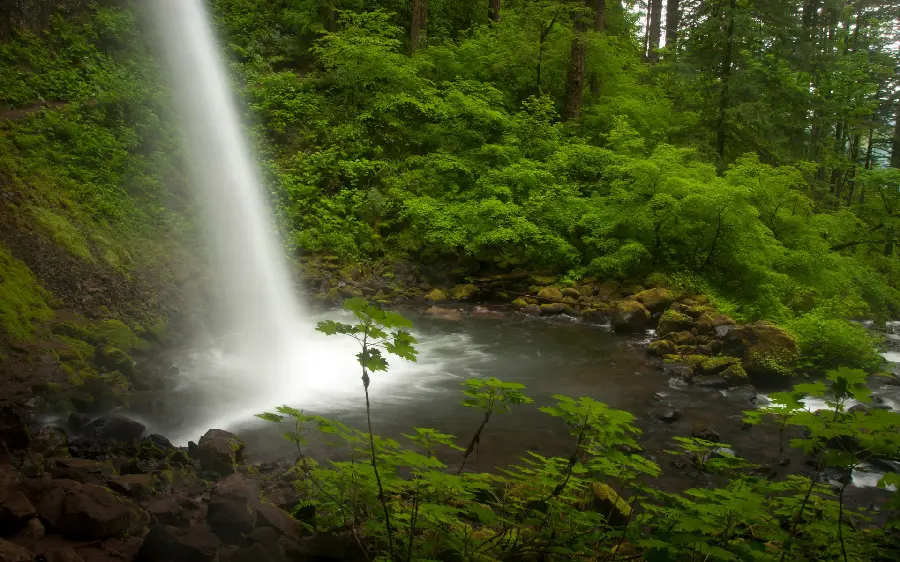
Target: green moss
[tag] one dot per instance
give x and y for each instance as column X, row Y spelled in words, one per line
column 716, row 365
column 22, row 300
column 116, row 334
column 64, row 233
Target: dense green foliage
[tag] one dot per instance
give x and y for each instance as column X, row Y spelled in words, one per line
column 403, row 502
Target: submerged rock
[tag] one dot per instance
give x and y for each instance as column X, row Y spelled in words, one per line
column 703, row 431
column 444, row 313
column 667, row 414
column 532, row 310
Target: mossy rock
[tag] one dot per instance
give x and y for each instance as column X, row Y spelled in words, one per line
column 556, row 308
column 661, row 348
column 74, row 331
column 571, row 292
column 598, row 312
column 23, row 302
column 116, row 334
column 683, row 338
column 630, row 316
column 110, row 359
column 467, row 292
column 551, row 294
column 350, row 292
column 656, row 300
column 542, row 279
column 765, row 350
column 735, row 375
column 520, row 303
column 435, row 296
column 716, row 365
column 605, row 501
column 673, row 321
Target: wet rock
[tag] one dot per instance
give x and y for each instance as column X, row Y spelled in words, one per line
column 550, row 294
column 532, row 310
column 519, row 303
column 95, row 513
column 219, row 451
column 716, row 365
column 735, row 375
column 6, row 457
column 556, row 308
column 279, row 520
column 684, row 338
column 660, row 348
column 34, row 529
column 48, row 497
column 630, row 290
column 114, row 429
column 599, row 312
column 746, row 393
column 765, row 349
column 10, row 552
column 436, row 296
column 165, row 512
column 606, row 501
column 701, row 430
column 630, row 316
column 168, row 544
column 667, row 414
column 656, row 300
column 571, row 292
column 95, row 396
column 678, row 369
column 63, row 555
column 137, row 486
column 13, row 430
column 32, row 465
column 81, row 470
column 722, row 331
column 111, row 359
column 231, row 512
column 50, row 441
column 444, row 313
column 710, row 381
column 466, row 292
column 673, row 322
column 15, row 511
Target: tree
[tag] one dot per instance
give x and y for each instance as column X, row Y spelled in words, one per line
column 654, row 32
column 494, row 10
column 673, row 20
column 418, row 24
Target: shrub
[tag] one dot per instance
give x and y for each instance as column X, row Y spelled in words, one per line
column 827, row 343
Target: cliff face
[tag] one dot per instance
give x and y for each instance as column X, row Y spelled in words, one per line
column 92, row 205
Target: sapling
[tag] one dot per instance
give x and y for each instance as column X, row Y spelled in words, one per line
column 375, row 330
column 489, row 395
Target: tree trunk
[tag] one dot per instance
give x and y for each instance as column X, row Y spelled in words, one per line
column 575, row 78
column 655, row 30
column 494, row 10
column 895, row 142
column 673, row 20
column 724, row 98
column 599, row 25
column 418, row 24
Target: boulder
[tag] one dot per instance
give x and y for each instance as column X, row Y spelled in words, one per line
column 137, row 486
column 656, row 300
column 81, row 470
column 631, row 290
column 444, row 313
column 466, row 292
column 111, row 359
column 606, row 501
column 48, row 497
column 746, row 392
column 435, row 296
column 667, row 414
column 95, row 513
column 34, row 529
column 63, row 555
column 254, row 553
column 10, row 552
column 114, row 429
column 220, row 454
column 279, row 520
column 50, row 441
column 165, row 512
column 765, row 350
column 349, row 292
column 684, row 338
column 630, row 316
column 607, row 289
column 716, row 365
column 550, row 294
column 520, row 303
column 556, row 308
column 673, row 322
column 659, row 348
column 674, row 367
column 168, row 544
column 735, row 375
column 232, row 510
column 703, row 431
column 15, row 512
column 13, row 430
column 532, row 310
column 710, row 381
column 599, row 312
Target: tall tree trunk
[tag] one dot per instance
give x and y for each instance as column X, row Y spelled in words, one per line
column 330, row 17
column 655, row 31
column 575, row 76
column 494, row 10
column 673, row 21
column 725, row 95
column 895, row 142
column 418, row 24
column 599, row 26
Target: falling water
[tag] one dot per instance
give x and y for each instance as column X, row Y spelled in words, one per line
column 272, row 355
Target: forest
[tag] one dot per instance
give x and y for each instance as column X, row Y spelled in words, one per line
column 729, row 161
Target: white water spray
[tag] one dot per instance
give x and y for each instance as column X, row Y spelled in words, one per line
column 274, row 355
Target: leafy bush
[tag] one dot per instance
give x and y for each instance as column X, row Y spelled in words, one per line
column 827, row 343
